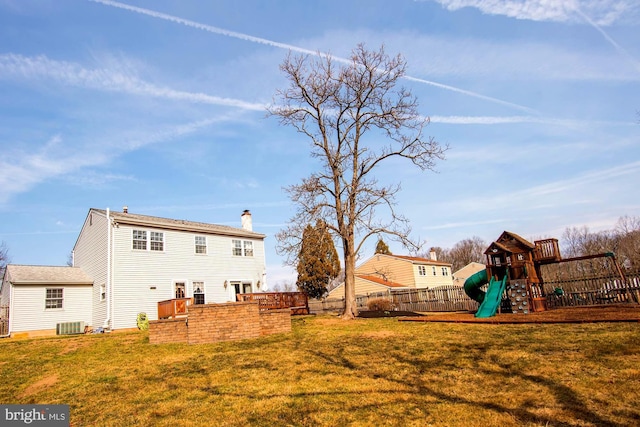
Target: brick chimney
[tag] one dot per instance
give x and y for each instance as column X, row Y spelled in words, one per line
column 125, row 209
column 246, row 220
column 433, row 255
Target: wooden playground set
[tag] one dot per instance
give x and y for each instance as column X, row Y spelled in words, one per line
column 520, row 280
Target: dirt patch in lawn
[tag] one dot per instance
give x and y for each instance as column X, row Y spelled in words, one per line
column 592, row 314
column 39, row 386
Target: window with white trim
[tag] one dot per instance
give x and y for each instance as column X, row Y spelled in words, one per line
column 445, row 271
column 433, row 270
column 248, row 248
column 140, row 239
column 103, row 292
column 156, row 241
column 242, row 248
column 198, row 292
column 237, row 247
column 54, row 298
column 201, row 244
column 152, row 240
column 422, row 270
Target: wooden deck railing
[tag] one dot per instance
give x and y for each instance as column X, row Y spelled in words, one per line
column 298, row 302
column 173, row 307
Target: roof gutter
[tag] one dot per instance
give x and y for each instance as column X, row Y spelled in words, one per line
column 187, row 227
column 44, row 282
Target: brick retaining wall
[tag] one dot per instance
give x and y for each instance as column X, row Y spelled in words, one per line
column 210, row 323
column 168, row 331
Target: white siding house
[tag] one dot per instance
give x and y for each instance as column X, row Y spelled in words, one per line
column 130, row 262
column 40, row 297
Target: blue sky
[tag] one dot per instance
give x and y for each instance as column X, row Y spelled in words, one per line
column 159, row 105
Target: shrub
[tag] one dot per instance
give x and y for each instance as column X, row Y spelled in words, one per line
column 379, row 304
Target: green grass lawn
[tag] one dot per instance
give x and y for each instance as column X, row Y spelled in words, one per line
column 333, row 372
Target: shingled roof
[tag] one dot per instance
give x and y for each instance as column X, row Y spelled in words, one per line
column 46, row 275
column 178, row 224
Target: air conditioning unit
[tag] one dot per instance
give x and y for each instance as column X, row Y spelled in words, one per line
column 70, row 328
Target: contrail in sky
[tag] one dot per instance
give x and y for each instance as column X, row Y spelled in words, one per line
column 286, row 46
column 619, row 48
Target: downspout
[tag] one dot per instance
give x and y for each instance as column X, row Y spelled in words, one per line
column 107, row 321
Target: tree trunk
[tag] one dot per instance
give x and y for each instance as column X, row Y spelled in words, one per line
column 350, row 305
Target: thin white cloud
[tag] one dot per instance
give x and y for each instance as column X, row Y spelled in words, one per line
column 500, row 120
column 249, row 38
column 462, row 224
column 40, row 67
column 604, row 12
column 596, row 13
column 523, row 197
column 21, row 171
column 608, row 38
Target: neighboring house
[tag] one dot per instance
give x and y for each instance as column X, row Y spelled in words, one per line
column 134, row 261
column 368, row 284
column 39, row 297
column 395, row 272
column 460, row 276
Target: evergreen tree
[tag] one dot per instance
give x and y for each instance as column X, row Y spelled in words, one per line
column 382, row 248
column 318, row 261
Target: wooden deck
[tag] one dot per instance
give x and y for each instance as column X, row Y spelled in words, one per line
column 298, row 302
column 172, row 308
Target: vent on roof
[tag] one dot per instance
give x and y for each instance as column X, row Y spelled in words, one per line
column 70, row 328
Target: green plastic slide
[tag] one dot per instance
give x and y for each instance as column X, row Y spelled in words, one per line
column 490, row 300
column 473, row 284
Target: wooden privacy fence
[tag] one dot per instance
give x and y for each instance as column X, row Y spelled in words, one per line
column 442, row 298
column 298, row 302
column 579, row 292
column 597, row 290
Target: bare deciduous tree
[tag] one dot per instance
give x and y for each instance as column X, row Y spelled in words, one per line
column 4, row 258
column 628, row 233
column 355, row 118
column 462, row 253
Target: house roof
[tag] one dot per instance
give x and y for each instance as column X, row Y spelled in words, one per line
column 380, row 281
column 178, row 224
column 510, row 242
column 418, row 260
column 46, row 275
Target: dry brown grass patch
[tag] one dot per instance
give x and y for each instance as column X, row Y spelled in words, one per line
column 39, row 386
